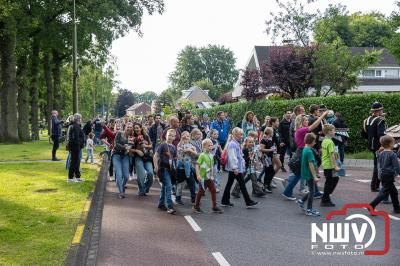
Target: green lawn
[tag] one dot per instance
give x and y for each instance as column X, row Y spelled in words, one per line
column 37, row 150
column 36, row 228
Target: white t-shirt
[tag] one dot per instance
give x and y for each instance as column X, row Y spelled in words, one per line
column 89, row 144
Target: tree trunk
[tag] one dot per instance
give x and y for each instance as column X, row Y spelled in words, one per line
column 34, row 73
column 50, row 91
column 57, row 104
column 9, row 87
column 23, row 98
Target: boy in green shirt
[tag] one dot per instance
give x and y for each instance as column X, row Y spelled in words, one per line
column 329, row 165
column 309, row 172
column 205, row 176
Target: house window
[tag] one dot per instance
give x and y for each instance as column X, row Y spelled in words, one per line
column 391, row 73
column 378, row 73
column 368, row 73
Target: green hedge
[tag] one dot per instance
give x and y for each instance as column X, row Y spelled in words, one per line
column 354, row 108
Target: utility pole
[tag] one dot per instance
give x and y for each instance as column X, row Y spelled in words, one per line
column 75, row 69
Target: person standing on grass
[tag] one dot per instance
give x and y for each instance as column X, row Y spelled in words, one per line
column 309, row 172
column 120, row 158
column 205, row 176
column 89, row 148
column 75, row 143
column 55, row 134
column 373, row 129
column 329, row 165
column 284, row 132
column 236, row 168
column 388, row 169
column 164, row 162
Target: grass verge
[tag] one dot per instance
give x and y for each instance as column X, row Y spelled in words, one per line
column 367, row 155
column 39, row 210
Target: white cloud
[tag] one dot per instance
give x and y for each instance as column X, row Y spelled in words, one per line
column 145, row 63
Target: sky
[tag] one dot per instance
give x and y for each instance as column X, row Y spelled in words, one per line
column 144, row 63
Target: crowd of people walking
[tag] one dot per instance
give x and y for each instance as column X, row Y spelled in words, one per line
column 191, row 152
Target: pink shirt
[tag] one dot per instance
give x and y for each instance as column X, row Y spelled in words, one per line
column 299, row 136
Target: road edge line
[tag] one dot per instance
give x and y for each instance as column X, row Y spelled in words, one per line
column 192, row 223
column 220, row 259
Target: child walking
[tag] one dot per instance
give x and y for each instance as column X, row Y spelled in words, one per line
column 388, row 170
column 165, row 166
column 216, row 152
column 205, row 176
column 186, row 153
column 89, row 148
column 268, row 149
column 309, row 172
column 329, row 159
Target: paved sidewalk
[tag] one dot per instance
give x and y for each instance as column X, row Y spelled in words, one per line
column 135, row 232
column 360, row 163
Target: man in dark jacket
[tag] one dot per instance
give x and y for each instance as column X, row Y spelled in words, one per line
column 155, row 132
column 284, row 132
column 75, row 143
column 374, row 128
column 55, row 133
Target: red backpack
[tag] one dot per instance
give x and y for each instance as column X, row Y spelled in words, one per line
column 224, row 157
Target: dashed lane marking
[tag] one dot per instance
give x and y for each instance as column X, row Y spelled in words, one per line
column 192, row 223
column 220, row 259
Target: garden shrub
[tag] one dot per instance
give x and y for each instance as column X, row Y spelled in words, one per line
column 354, row 108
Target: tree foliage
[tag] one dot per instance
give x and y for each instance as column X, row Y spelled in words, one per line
column 213, row 63
column 251, row 83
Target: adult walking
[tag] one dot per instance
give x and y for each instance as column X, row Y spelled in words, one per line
column 143, row 156
column 187, row 123
column 120, row 158
column 284, row 132
column 373, row 129
column 173, row 124
column 55, row 134
column 248, row 123
column 155, row 132
column 236, row 168
column 302, row 129
column 75, row 143
column 222, row 125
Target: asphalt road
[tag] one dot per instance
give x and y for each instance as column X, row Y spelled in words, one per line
column 134, row 232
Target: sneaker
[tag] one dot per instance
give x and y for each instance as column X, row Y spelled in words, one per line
column 259, row 195
column 71, row 180
column 197, row 209
column 217, row 210
column 318, row 195
column 252, row 204
column 227, row 204
column 288, row 198
column 304, row 191
column 217, row 190
column 312, row 212
column 171, row 210
column 267, row 189
column 327, row 204
column 121, row 195
column 180, row 202
column 235, row 195
column 79, row 180
column 283, row 169
column 300, row 203
column 112, row 179
column 55, row 160
column 162, row 207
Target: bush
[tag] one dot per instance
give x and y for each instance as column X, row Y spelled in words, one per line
column 354, row 108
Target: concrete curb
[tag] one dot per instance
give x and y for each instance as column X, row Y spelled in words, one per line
column 85, row 244
column 359, row 163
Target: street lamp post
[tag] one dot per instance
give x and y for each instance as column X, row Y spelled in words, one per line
column 75, row 69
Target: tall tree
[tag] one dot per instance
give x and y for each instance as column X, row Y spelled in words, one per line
column 251, row 82
column 125, row 99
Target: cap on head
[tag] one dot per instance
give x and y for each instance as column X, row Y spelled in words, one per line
column 376, row 106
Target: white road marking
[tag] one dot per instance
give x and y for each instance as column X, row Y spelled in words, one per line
column 363, row 180
column 394, row 218
column 220, row 259
column 192, row 223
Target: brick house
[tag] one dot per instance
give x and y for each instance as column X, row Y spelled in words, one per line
column 139, row 109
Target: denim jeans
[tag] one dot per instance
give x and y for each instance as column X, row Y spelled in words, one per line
column 121, row 168
column 144, row 172
column 89, row 155
column 292, row 182
column 166, row 187
column 216, row 178
column 185, row 164
column 68, row 161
